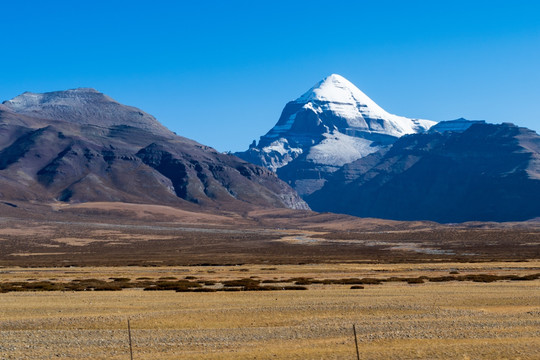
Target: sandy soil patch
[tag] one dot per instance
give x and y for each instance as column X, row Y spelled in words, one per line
column 28, row 230
column 144, row 211
column 37, row 254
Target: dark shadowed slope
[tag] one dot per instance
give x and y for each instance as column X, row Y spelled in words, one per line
column 486, row 173
column 80, row 145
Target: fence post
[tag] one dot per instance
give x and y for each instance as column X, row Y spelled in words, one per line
column 130, row 346
column 356, row 342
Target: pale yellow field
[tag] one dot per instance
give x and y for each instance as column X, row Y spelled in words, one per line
column 448, row 320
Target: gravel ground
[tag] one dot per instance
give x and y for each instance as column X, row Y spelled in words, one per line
column 395, row 321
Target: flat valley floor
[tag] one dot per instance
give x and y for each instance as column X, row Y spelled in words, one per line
column 394, row 319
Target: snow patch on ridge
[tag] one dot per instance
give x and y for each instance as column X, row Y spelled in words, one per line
column 338, row 149
column 278, row 129
column 282, row 147
column 279, row 153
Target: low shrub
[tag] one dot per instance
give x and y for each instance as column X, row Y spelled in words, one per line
column 442, row 278
column 230, row 289
column 204, row 290
column 181, row 285
column 294, row 288
column 527, row 277
column 371, row 281
column 300, row 281
column 207, row 282
column 246, row 283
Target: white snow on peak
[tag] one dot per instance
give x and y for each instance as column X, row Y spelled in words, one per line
column 343, row 98
column 335, row 88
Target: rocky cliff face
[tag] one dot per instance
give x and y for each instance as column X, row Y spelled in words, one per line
column 458, row 172
column 332, row 124
column 80, row 145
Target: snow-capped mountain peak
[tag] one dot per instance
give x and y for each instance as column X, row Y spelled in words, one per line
column 332, row 124
column 338, row 95
column 335, row 88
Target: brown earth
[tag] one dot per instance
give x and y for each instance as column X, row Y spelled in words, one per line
column 119, row 234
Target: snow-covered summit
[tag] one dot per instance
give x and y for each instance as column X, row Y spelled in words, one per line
column 338, row 95
column 335, row 88
column 83, row 106
column 332, row 124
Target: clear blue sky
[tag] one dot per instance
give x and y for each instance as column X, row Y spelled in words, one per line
column 220, row 72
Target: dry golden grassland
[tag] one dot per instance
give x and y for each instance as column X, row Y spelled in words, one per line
column 394, row 320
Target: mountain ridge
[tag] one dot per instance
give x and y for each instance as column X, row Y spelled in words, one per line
column 81, row 145
column 85, row 106
column 487, row 172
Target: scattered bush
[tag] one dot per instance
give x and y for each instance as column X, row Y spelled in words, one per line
column 204, row 290
column 371, row 281
column 350, row 281
column 230, row 289
column 442, row 278
column 300, row 281
column 245, row 284
column 181, row 285
column 294, row 288
column 207, row 282
column 527, row 277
